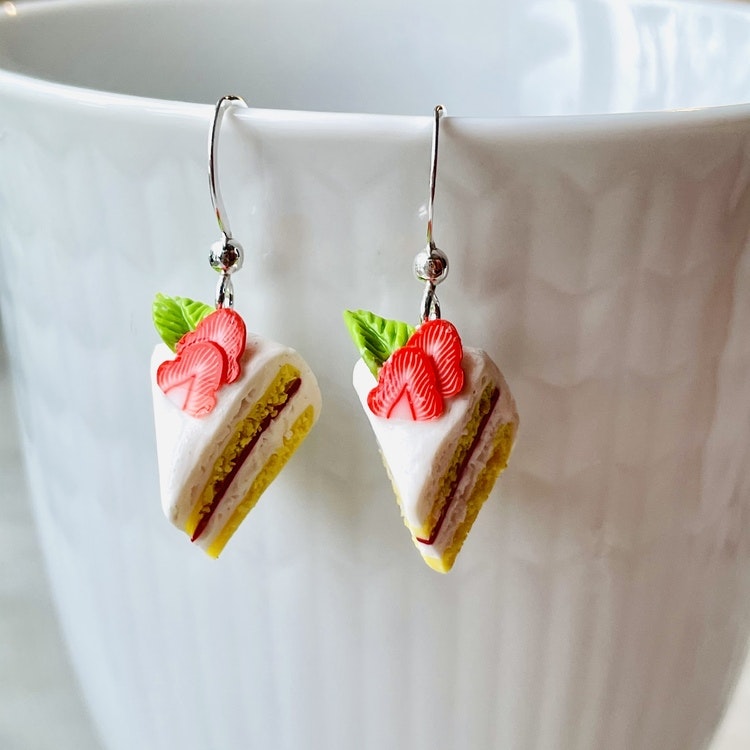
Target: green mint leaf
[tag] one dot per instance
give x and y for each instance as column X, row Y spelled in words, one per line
column 376, row 338
column 176, row 316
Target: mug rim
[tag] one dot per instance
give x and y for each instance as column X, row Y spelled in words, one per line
column 116, row 105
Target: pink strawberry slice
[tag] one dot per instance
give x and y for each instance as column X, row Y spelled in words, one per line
column 407, row 387
column 440, row 340
column 226, row 328
column 191, row 380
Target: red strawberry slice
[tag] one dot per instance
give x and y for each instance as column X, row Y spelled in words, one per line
column 440, row 340
column 407, row 387
column 191, row 380
column 226, row 328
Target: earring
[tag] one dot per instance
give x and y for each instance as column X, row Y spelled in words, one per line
column 442, row 413
column 230, row 407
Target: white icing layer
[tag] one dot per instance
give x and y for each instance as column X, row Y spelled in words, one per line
column 187, row 447
column 418, row 453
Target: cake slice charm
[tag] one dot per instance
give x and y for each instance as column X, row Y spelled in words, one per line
column 230, row 408
column 219, row 443
column 442, row 462
column 442, row 414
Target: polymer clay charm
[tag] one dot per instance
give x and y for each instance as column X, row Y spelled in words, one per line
column 442, row 413
column 445, row 422
column 230, row 408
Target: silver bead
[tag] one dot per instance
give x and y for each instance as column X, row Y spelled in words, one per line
column 226, row 256
column 431, row 265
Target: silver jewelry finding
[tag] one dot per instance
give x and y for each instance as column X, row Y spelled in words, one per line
column 431, row 264
column 226, row 254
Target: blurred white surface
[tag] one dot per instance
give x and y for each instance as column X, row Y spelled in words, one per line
column 40, row 705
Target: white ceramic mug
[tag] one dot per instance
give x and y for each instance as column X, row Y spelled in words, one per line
column 598, row 253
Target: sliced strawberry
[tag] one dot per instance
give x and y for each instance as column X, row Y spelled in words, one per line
column 226, row 328
column 407, row 387
column 440, row 340
column 191, row 380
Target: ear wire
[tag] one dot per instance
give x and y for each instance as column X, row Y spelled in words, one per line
column 227, row 254
column 431, row 265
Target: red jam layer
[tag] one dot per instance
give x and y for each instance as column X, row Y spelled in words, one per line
column 462, row 469
column 221, row 487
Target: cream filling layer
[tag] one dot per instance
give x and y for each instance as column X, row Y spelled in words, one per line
column 456, row 513
column 268, row 443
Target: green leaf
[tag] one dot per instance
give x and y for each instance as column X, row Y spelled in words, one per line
column 176, row 316
column 375, row 337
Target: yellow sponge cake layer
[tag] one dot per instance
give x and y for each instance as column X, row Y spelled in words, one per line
column 246, row 433
column 503, row 445
column 267, row 474
column 449, row 480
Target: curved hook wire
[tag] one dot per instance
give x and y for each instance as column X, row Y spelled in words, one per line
column 220, row 211
column 431, row 265
column 439, row 112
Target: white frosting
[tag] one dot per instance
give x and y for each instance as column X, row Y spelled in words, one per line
column 187, row 447
column 418, row 453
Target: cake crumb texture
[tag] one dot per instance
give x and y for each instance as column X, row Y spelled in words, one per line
column 503, row 444
column 292, row 440
column 450, row 479
column 268, row 405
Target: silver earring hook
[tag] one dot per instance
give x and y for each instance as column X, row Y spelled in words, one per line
column 439, row 111
column 431, row 265
column 226, row 255
column 213, row 157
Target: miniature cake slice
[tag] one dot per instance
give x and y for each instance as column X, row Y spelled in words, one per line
column 220, row 443
column 442, row 461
